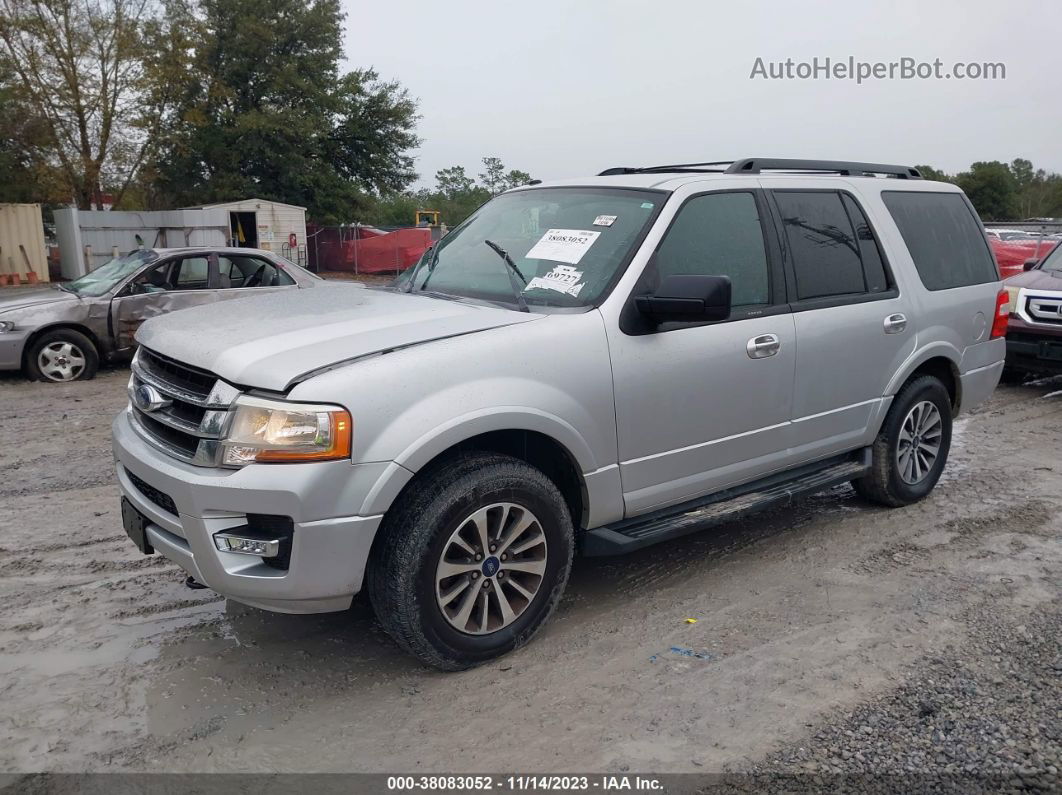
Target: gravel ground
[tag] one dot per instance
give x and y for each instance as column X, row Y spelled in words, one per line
column 916, row 648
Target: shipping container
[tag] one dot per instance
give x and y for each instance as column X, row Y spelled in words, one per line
column 22, row 249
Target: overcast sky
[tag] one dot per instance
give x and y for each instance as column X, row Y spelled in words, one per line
column 564, row 88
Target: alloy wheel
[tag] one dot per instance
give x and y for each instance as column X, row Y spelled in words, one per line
column 919, row 442
column 491, row 569
column 61, row 361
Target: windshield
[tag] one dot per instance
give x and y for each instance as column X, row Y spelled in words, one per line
column 1053, row 261
column 106, row 276
column 567, row 243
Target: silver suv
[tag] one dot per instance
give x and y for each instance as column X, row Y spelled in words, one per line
column 586, row 366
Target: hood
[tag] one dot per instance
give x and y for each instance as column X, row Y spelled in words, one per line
column 270, row 341
column 23, row 298
column 1037, row 280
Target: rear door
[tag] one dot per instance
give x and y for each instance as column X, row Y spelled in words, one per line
column 245, row 275
column 853, row 325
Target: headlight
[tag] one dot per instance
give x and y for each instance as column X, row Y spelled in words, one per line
column 275, row 431
column 1012, row 295
column 6, row 326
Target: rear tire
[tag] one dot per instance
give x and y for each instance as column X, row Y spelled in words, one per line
column 912, row 447
column 490, row 604
column 61, row 356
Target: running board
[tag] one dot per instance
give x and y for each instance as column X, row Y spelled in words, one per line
column 689, row 517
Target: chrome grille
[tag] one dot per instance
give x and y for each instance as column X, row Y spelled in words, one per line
column 193, row 411
column 1045, row 310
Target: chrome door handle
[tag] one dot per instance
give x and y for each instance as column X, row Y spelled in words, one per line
column 763, row 346
column 894, row 324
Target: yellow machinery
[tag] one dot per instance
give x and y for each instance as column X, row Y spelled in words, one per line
column 426, row 218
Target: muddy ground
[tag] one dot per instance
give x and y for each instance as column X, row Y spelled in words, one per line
column 805, row 616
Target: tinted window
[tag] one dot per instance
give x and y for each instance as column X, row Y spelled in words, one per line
column 873, row 265
column 719, row 234
column 944, row 238
column 822, row 243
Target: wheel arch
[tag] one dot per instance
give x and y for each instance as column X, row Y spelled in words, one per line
column 940, row 360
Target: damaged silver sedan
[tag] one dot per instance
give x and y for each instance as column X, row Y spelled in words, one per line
column 62, row 332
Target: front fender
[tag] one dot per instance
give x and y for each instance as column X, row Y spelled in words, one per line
column 500, row 418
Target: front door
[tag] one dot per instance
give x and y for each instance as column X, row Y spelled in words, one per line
column 704, row 406
column 171, row 285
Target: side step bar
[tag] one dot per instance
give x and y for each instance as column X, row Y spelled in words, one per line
column 689, row 517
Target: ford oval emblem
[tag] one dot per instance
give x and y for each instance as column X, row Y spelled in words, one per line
column 147, row 398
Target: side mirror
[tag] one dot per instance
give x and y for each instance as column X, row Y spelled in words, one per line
column 688, row 299
column 1030, row 264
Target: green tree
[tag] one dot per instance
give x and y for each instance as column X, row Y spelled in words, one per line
column 516, row 178
column 78, row 69
column 493, row 176
column 928, row 172
column 453, row 182
column 266, row 112
column 992, row 189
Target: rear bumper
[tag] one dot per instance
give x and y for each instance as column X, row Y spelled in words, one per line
column 328, row 552
column 978, row 385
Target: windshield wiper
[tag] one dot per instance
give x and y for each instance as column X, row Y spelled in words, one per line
column 511, row 269
column 433, row 249
column 66, row 289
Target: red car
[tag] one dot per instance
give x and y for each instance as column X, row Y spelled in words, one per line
column 1012, row 250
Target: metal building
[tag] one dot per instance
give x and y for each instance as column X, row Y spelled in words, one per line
column 259, row 223
column 89, row 238
column 22, row 249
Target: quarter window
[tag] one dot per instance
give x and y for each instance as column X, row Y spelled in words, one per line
column 943, row 237
column 719, row 234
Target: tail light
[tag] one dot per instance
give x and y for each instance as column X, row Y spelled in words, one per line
column 999, row 323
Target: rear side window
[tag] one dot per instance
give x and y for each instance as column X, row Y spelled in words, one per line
column 822, row 241
column 944, row 238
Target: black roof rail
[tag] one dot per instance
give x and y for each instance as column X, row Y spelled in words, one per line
column 692, row 168
column 755, row 165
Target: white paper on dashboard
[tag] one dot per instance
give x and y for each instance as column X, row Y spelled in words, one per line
column 563, row 245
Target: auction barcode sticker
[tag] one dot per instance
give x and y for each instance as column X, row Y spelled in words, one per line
column 563, row 245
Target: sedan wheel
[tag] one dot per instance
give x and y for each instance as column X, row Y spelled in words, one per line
column 61, row 361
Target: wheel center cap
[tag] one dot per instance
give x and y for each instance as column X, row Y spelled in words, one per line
column 491, row 566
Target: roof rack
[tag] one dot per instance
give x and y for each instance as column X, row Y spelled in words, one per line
column 757, row 165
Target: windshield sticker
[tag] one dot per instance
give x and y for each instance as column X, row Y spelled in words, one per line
column 647, row 205
column 562, row 279
column 605, row 220
column 563, row 245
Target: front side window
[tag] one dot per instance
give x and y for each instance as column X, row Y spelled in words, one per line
column 191, row 274
column 719, row 234
column 568, row 245
column 943, row 237
column 822, row 244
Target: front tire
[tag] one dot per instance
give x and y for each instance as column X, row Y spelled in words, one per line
column 62, row 355
column 471, row 560
column 911, row 449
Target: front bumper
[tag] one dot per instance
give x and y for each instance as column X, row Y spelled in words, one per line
column 1034, row 346
column 12, row 344
column 329, row 548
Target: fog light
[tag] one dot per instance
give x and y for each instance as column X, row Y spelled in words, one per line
column 247, row 546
